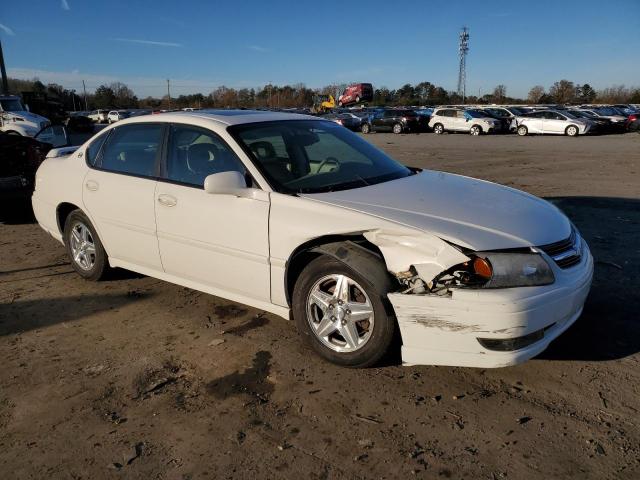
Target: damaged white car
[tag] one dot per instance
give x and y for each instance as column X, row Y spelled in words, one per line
column 302, row 218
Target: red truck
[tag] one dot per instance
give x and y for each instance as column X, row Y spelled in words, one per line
column 356, row 93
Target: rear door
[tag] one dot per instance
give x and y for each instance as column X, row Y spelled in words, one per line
column 118, row 193
column 533, row 122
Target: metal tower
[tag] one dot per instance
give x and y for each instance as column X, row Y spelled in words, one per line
column 463, row 48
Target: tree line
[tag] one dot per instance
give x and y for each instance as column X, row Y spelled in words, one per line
column 119, row 95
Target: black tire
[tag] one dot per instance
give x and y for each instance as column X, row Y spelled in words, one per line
column 358, row 99
column 438, row 129
column 522, row 130
column 397, row 128
column 101, row 264
column 376, row 288
column 475, row 130
column 365, row 128
column 572, row 131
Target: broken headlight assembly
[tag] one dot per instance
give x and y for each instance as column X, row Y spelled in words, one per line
column 497, row 270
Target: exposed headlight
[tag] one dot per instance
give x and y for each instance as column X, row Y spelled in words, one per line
column 515, row 270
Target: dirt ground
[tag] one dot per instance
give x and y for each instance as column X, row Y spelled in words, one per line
column 137, row 378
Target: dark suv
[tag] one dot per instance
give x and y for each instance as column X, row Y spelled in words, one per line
column 396, row 121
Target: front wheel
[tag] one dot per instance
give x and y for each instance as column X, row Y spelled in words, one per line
column 366, row 128
column 572, row 131
column 438, row 128
column 88, row 257
column 341, row 314
column 475, row 130
column 522, row 130
column 397, row 128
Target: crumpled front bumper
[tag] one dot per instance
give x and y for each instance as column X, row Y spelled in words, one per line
column 444, row 330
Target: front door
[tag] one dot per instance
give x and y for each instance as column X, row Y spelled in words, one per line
column 217, row 241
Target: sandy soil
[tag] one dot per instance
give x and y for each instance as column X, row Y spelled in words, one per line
column 137, row 378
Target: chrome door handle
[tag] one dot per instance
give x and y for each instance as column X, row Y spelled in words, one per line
column 167, row 200
column 91, row 185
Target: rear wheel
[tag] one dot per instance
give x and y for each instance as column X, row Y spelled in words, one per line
column 572, row 130
column 88, row 257
column 366, row 128
column 397, row 128
column 341, row 314
column 475, row 130
column 438, row 128
column 358, row 99
column 522, row 130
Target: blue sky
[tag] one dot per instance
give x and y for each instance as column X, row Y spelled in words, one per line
column 247, row 43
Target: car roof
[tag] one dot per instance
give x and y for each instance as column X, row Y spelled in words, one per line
column 225, row 117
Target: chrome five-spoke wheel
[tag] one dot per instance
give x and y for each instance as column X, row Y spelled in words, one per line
column 340, row 313
column 83, row 248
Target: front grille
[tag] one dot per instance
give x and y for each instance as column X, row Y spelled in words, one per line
column 566, row 253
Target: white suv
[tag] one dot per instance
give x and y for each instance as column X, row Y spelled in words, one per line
column 458, row 120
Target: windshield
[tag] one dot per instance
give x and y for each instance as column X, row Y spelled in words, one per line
column 497, row 112
column 313, row 156
column 12, row 105
column 606, row 111
column 568, row 114
column 475, row 114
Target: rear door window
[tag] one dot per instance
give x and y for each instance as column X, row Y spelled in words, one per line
column 133, row 149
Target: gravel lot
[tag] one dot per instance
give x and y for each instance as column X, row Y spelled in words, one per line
column 137, row 378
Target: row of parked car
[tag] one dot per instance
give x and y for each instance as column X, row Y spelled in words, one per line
column 477, row 120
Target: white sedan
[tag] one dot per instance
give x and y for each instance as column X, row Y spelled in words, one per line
column 300, row 217
column 552, row 122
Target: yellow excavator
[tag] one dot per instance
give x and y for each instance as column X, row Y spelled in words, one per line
column 323, row 103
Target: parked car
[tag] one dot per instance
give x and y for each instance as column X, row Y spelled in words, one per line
column 633, row 122
column 552, row 122
column 16, row 119
column 474, row 122
column 347, row 120
column 117, row 115
column 334, row 233
column 20, row 157
column 79, row 122
column 600, row 124
column 616, row 118
column 356, row 93
column 99, row 116
column 396, row 121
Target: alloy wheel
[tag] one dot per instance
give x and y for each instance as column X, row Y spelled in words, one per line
column 83, row 248
column 340, row 313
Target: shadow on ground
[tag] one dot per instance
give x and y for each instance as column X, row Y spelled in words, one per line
column 24, row 315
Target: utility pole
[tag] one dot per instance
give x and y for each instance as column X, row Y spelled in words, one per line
column 168, row 94
column 5, row 83
column 84, row 87
column 73, row 97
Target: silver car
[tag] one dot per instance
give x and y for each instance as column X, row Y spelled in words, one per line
column 552, row 122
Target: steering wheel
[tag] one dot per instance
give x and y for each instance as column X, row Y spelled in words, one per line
column 327, row 160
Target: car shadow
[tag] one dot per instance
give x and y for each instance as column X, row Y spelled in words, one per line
column 23, row 315
column 608, row 328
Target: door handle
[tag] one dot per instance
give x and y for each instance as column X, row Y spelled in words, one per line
column 91, row 185
column 167, row 200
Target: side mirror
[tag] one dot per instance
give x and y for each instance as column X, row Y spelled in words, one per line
column 55, row 135
column 228, row 183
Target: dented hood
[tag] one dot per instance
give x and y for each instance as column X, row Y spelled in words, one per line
column 471, row 213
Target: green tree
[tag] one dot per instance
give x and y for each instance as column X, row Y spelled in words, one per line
column 104, row 97
column 585, row 93
column 563, row 91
